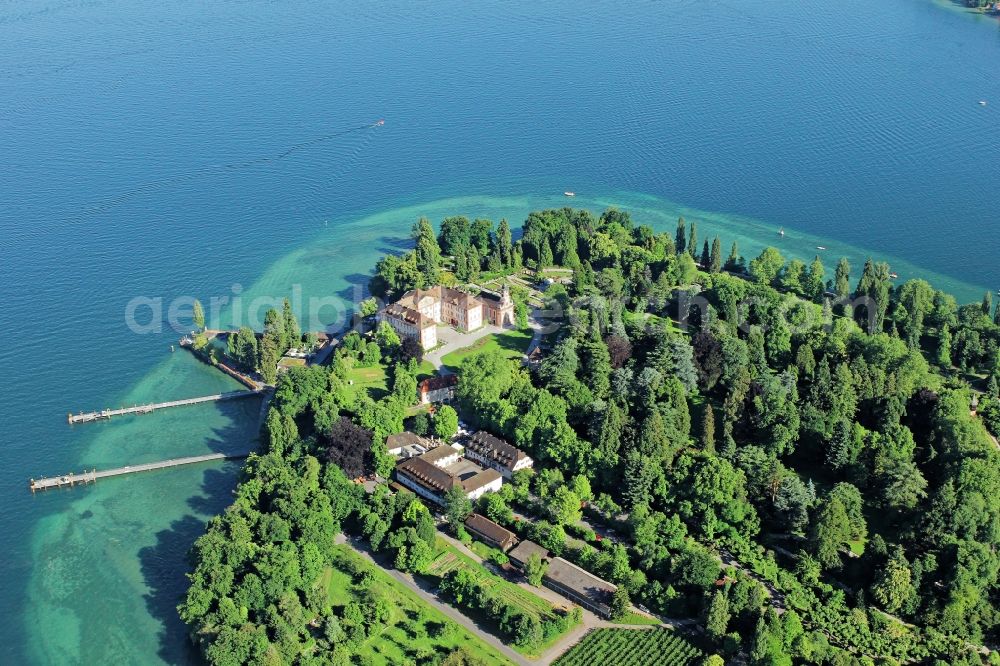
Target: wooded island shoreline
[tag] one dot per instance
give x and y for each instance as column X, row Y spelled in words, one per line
column 843, row 511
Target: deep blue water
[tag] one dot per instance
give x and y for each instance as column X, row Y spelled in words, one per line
column 167, row 149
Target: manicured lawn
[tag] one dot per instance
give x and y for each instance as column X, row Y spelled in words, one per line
column 375, row 380
column 512, row 343
column 417, row 633
column 631, row 647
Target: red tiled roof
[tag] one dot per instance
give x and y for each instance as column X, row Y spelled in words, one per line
column 436, row 383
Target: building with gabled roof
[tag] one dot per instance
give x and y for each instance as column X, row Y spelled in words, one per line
column 524, row 550
column 418, row 312
column 491, row 451
column 442, row 456
column 428, row 475
column 407, row 444
column 567, row 579
column 581, row 586
column 486, row 530
column 437, row 389
column 425, row 478
column 410, row 323
column 486, row 481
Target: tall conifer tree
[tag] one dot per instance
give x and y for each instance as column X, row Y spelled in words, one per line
column 715, row 260
column 680, row 240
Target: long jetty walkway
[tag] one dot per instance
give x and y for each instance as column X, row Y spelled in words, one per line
column 86, row 417
column 92, row 476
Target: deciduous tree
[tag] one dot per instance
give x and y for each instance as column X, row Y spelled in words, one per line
column 535, row 568
column 445, row 422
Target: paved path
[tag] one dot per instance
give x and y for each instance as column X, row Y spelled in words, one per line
column 537, row 326
column 452, row 340
column 324, row 353
column 589, row 620
column 774, row 594
column 433, row 600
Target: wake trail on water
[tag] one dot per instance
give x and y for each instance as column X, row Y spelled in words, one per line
column 199, row 172
column 299, row 146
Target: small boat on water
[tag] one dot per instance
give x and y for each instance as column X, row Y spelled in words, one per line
column 781, row 232
column 982, row 102
column 820, row 247
column 894, row 275
column 570, row 194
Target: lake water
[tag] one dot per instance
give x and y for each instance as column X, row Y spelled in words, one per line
column 159, row 149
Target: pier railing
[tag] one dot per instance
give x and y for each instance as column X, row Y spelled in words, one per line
column 86, row 417
column 91, row 476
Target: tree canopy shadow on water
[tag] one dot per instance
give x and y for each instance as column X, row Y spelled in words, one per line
column 165, row 563
column 357, row 288
column 397, row 243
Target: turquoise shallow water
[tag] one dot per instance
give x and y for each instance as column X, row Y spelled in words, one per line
column 162, row 150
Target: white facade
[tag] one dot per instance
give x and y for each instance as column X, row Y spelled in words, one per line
column 437, row 395
column 469, row 319
column 429, row 306
column 418, row 488
column 524, row 463
column 491, row 487
column 448, row 461
column 425, row 335
column 493, row 453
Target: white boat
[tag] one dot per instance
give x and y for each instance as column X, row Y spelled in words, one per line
column 982, row 102
column 820, row 247
column 570, row 194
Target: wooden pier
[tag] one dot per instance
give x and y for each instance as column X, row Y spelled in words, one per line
column 86, row 417
column 92, row 476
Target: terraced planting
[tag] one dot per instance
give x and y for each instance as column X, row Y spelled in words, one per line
column 631, row 647
column 450, row 559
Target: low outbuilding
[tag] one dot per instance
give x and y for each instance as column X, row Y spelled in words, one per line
column 490, row 532
column 524, row 550
column 567, row 579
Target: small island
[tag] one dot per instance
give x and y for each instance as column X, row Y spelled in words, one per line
column 602, row 443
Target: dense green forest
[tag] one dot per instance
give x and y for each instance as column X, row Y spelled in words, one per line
column 799, row 457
